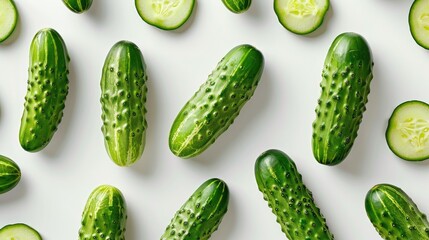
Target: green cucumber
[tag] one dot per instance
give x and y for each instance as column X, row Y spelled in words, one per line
column 123, row 98
column 8, row 18
column 104, row 216
column 217, row 103
column 10, row 174
column 237, row 6
column 201, row 215
column 290, row 200
column 418, row 20
column 407, row 133
column 394, row 214
column 165, row 14
column 346, row 79
column 78, row 6
column 46, row 92
column 301, row 16
column 19, row 231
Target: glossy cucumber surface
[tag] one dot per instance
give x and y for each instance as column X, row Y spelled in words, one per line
column 237, row 6
column 10, row 174
column 78, row 6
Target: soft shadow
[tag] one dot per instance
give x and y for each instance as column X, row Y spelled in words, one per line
column 16, row 33
column 188, row 22
column 96, row 11
column 325, row 23
column 254, row 11
column 18, row 192
column 228, row 223
column 131, row 232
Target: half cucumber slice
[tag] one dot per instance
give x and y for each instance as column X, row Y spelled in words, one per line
column 8, row 18
column 19, row 231
column 418, row 20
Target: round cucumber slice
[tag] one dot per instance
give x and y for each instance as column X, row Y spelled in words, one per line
column 8, row 18
column 301, row 16
column 418, row 20
column 165, row 14
column 19, row 231
column 407, row 133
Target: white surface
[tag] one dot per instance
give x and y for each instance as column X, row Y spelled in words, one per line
column 57, row 181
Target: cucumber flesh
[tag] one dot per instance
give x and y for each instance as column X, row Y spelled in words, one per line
column 19, row 231
column 165, row 14
column 301, row 16
column 8, row 18
column 418, row 20
column 407, row 133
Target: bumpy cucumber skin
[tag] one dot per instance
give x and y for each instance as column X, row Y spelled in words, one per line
column 21, row 225
column 237, row 6
column 201, row 215
column 10, row 174
column 123, row 98
column 78, row 6
column 290, row 200
column 47, row 90
column 217, row 103
column 104, row 216
column 394, row 214
column 4, row 38
column 346, row 79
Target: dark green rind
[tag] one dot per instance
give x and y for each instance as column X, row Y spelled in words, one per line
column 21, row 225
column 78, row 6
column 237, row 6
column 217, row 103
column 123, row 98
column 46, row 92
column 290, row 200
column 346, row 79
column 104, row 216
column 10, row 174
column 4, row 38
column 394, row 214
column 201, row 215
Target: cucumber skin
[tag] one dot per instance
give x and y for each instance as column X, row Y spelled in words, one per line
column 105, row 215
column 237, row 6
column 387, row 206
column 47, row 90
column 10, row 174
column 217, row 103
column 78, row 6
column 290, row 200
column 202, row 213
column 123, row 98
column 346, row 79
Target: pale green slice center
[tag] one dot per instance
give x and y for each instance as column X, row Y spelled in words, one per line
column 424, row 21
column 302, row 8
column 165, row 7
column 415, row 131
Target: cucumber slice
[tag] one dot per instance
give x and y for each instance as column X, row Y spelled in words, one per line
column 407, row 134
column 8, row 18
column 301, row 16
column 418, row 20
column 165, row 14
column 19, row 231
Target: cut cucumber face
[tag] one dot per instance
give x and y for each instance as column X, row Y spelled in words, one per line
column 418, row 20
column 407, row 134
column 19, row 231
column 165, row 14
column 301, row 16
column 8, row 18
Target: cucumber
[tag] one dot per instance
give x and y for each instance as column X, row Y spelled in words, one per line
column 237, row 6
column 418, row 20
column 301, row 16
column 19, row 231
column 78, row 6
column 165, row 14
column 346, row 79
column 10, row 174
column 290, row 200
column 394, row 214
column 123, row 98
column 217, row 103
column 201, row 215
column 407, row 133
column 8, row 18
column 46, row 92
column 104, row 216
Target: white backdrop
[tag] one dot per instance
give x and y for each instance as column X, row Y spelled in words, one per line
column 57, row 181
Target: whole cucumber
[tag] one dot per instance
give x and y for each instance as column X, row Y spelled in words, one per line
column 201, row 215
column 123, row 98
column 47, row 90
column 394, row 214
column 217, row 103
column 346, row 79
column 78, row 6
column 10, row 174
column 104, row 216
column 290, row 200
column 237, row 6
